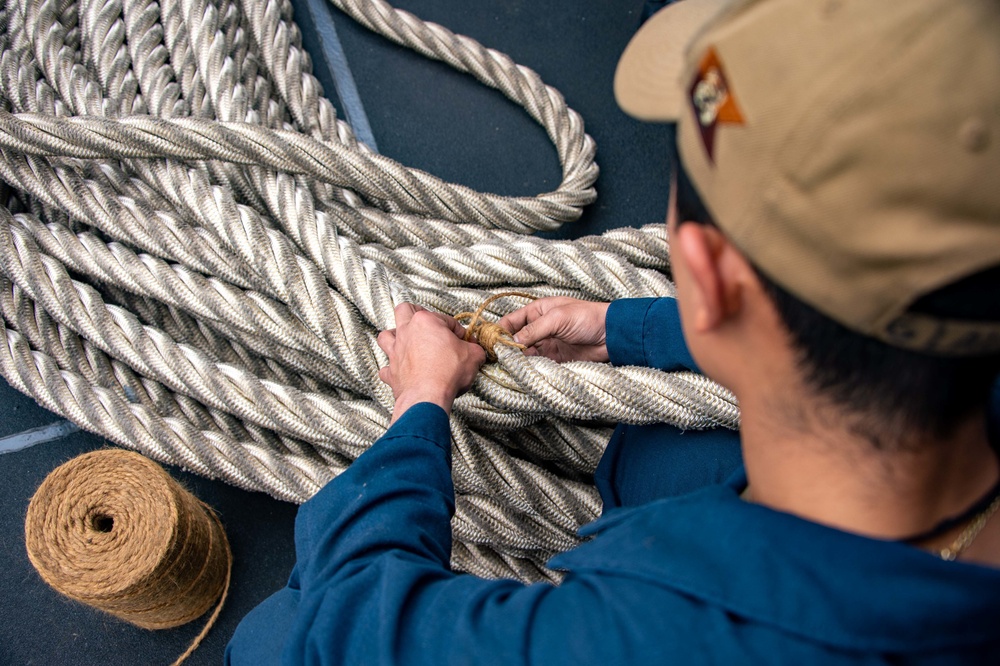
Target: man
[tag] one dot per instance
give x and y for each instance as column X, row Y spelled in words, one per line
column 835, row 239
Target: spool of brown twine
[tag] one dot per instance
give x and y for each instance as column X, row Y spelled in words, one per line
column 113, row 530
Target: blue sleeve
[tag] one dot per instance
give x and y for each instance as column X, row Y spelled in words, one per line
column 352, row 520
column 647, row 332
column 644, row 463
column 650, row 462
column 372, row 583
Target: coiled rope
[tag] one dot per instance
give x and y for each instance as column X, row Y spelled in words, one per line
column 197, row 256
column 113, row 530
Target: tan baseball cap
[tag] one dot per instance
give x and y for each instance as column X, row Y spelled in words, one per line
column 849, row 148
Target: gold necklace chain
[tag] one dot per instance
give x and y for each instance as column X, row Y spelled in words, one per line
column 969, row 534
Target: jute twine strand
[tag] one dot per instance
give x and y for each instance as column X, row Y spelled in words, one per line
column 487, row 333
column 111, row 529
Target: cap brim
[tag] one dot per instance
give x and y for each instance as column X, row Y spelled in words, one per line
column 648, row 82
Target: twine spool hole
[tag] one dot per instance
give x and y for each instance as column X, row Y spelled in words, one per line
column 111, row 529
column 102, row 523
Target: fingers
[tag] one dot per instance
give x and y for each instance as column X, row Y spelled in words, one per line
column 541, row 328
column 521, row 317
column 516, row 320
column 453, row 324
column 428, row 359
column 404, row 313
column 386, row 339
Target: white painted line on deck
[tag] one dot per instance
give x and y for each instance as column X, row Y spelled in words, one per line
column 343, row 80
column 47, row 433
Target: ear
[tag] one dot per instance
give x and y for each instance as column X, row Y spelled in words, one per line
column 714, row 267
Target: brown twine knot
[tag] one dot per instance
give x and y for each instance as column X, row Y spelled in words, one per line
column 113, row 530
column 486, row 333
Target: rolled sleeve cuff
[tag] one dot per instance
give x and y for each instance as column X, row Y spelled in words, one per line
column 647, row 332
column 424, row 420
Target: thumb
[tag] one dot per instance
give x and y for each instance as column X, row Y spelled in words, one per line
column 404, row 313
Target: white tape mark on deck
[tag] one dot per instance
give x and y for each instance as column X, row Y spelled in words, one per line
column 47, row 433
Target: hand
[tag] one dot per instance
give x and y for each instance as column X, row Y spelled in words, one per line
column 561, row 328
column 429, row 361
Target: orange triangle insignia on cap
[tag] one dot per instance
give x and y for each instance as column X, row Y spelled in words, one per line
column 712, row 100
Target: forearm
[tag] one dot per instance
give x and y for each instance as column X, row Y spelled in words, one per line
column 396, row 496
column 374, row 549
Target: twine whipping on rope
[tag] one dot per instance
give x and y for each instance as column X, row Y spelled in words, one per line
column 111, row 529
column 196, row 257
column 489, row 334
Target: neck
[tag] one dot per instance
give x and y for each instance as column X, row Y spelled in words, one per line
column 817, row 466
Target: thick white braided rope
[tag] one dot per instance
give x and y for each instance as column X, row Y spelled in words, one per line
column 197, row 256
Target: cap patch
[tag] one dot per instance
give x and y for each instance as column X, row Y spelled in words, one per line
column 712, row 100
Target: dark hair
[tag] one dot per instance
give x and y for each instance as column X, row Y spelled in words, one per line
column 893, row 391
column 903, row 391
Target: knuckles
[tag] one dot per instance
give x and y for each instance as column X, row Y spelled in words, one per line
column 425, row 318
